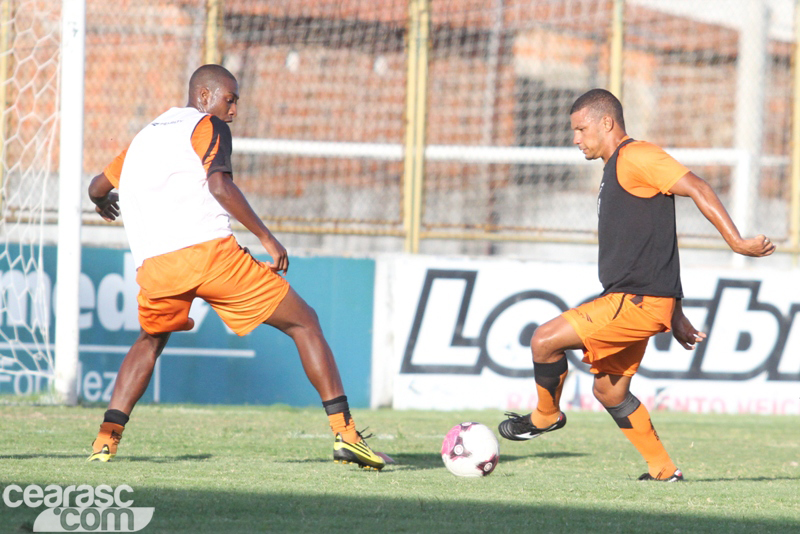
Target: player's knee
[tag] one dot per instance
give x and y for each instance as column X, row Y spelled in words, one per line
column 308, row 318
column 152, row 343
column 537, row 343
column 544, row 346
column 598, row 394
column 608, row 397
column 304, row 324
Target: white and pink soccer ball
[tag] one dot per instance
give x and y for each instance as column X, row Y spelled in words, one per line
column 470, row 450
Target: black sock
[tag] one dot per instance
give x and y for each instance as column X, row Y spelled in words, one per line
column 550, row 376
column 116, row 417
column 338, row 405
column 621, row 411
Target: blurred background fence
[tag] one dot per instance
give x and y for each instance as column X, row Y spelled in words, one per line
column 438, row 126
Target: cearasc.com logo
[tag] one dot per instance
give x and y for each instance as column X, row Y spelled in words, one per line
column 81, row 508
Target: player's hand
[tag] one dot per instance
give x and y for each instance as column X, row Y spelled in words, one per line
column 108, row 206
column 686, row 334
column 756, row 247
column 276, row 251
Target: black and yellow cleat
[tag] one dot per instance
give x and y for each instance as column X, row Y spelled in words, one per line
column 357, row 453
column 104, row 447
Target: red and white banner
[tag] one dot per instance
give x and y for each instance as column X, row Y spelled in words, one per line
column 455, row 333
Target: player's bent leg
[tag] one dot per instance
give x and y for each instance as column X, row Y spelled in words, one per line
column 548, row 347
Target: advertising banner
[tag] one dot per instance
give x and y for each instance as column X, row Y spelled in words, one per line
column 455, row 333
column 209, row 364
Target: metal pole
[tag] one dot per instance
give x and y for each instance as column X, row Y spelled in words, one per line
column 5, row 23
column 794, row 221
column 488, row 126
column 416, row 115
column 751, row 69
column 617, row 40
column 73, row 40
column 212, row 54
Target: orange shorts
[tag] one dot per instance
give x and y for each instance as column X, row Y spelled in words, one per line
column 615, row 329
column 242, row 290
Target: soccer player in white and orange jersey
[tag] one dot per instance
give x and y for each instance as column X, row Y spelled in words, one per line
column 176, row 191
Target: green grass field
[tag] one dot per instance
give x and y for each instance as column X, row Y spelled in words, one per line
column 269, row 469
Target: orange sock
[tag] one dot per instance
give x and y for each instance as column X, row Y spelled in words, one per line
column 549, row 383
column 634, row 420
column 338, row 411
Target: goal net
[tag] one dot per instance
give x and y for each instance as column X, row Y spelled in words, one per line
column 331, row 90
column 29, row 68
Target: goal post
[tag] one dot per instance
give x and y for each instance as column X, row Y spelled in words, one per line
column 73, row 33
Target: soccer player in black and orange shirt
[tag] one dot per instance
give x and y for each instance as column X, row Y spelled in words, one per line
column 640, row 273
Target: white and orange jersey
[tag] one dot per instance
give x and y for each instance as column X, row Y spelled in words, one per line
column 162, row 179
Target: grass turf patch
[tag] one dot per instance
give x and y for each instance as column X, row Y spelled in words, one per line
column 269, row 469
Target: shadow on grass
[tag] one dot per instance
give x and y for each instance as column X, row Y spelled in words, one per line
column 209, row 511
column 168, row 459
column 120, row 459
column 415, row 461
column 746, row 479
column 34, row 456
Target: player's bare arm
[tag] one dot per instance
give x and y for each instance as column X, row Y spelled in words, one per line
column 707, row 201
column 230, row 197
column 682, row 329
column 105, row 200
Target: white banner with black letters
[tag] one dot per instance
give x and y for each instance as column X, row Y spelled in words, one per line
column 455, row 333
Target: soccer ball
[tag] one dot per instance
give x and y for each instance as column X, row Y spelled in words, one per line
column 470, row 450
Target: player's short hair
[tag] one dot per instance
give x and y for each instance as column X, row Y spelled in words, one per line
column 600, row 102
column 208, row 76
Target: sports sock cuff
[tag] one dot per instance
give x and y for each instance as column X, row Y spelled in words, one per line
column 337, row 405
column 621, row 411
column 553, row 369
column 116, row 417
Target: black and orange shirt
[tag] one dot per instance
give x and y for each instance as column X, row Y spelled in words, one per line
column 162, row 179
column 638, row 244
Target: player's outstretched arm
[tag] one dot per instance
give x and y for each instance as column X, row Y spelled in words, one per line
column 707, row 201
column 105, row 200
column 233, row 200
column 682, row 329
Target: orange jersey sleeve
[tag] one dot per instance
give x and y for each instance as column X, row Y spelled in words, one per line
column 644, row 169
column 211, row 141
column 114, row 169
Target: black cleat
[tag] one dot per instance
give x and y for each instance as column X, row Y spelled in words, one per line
column 677, row 476
column 519, row 427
